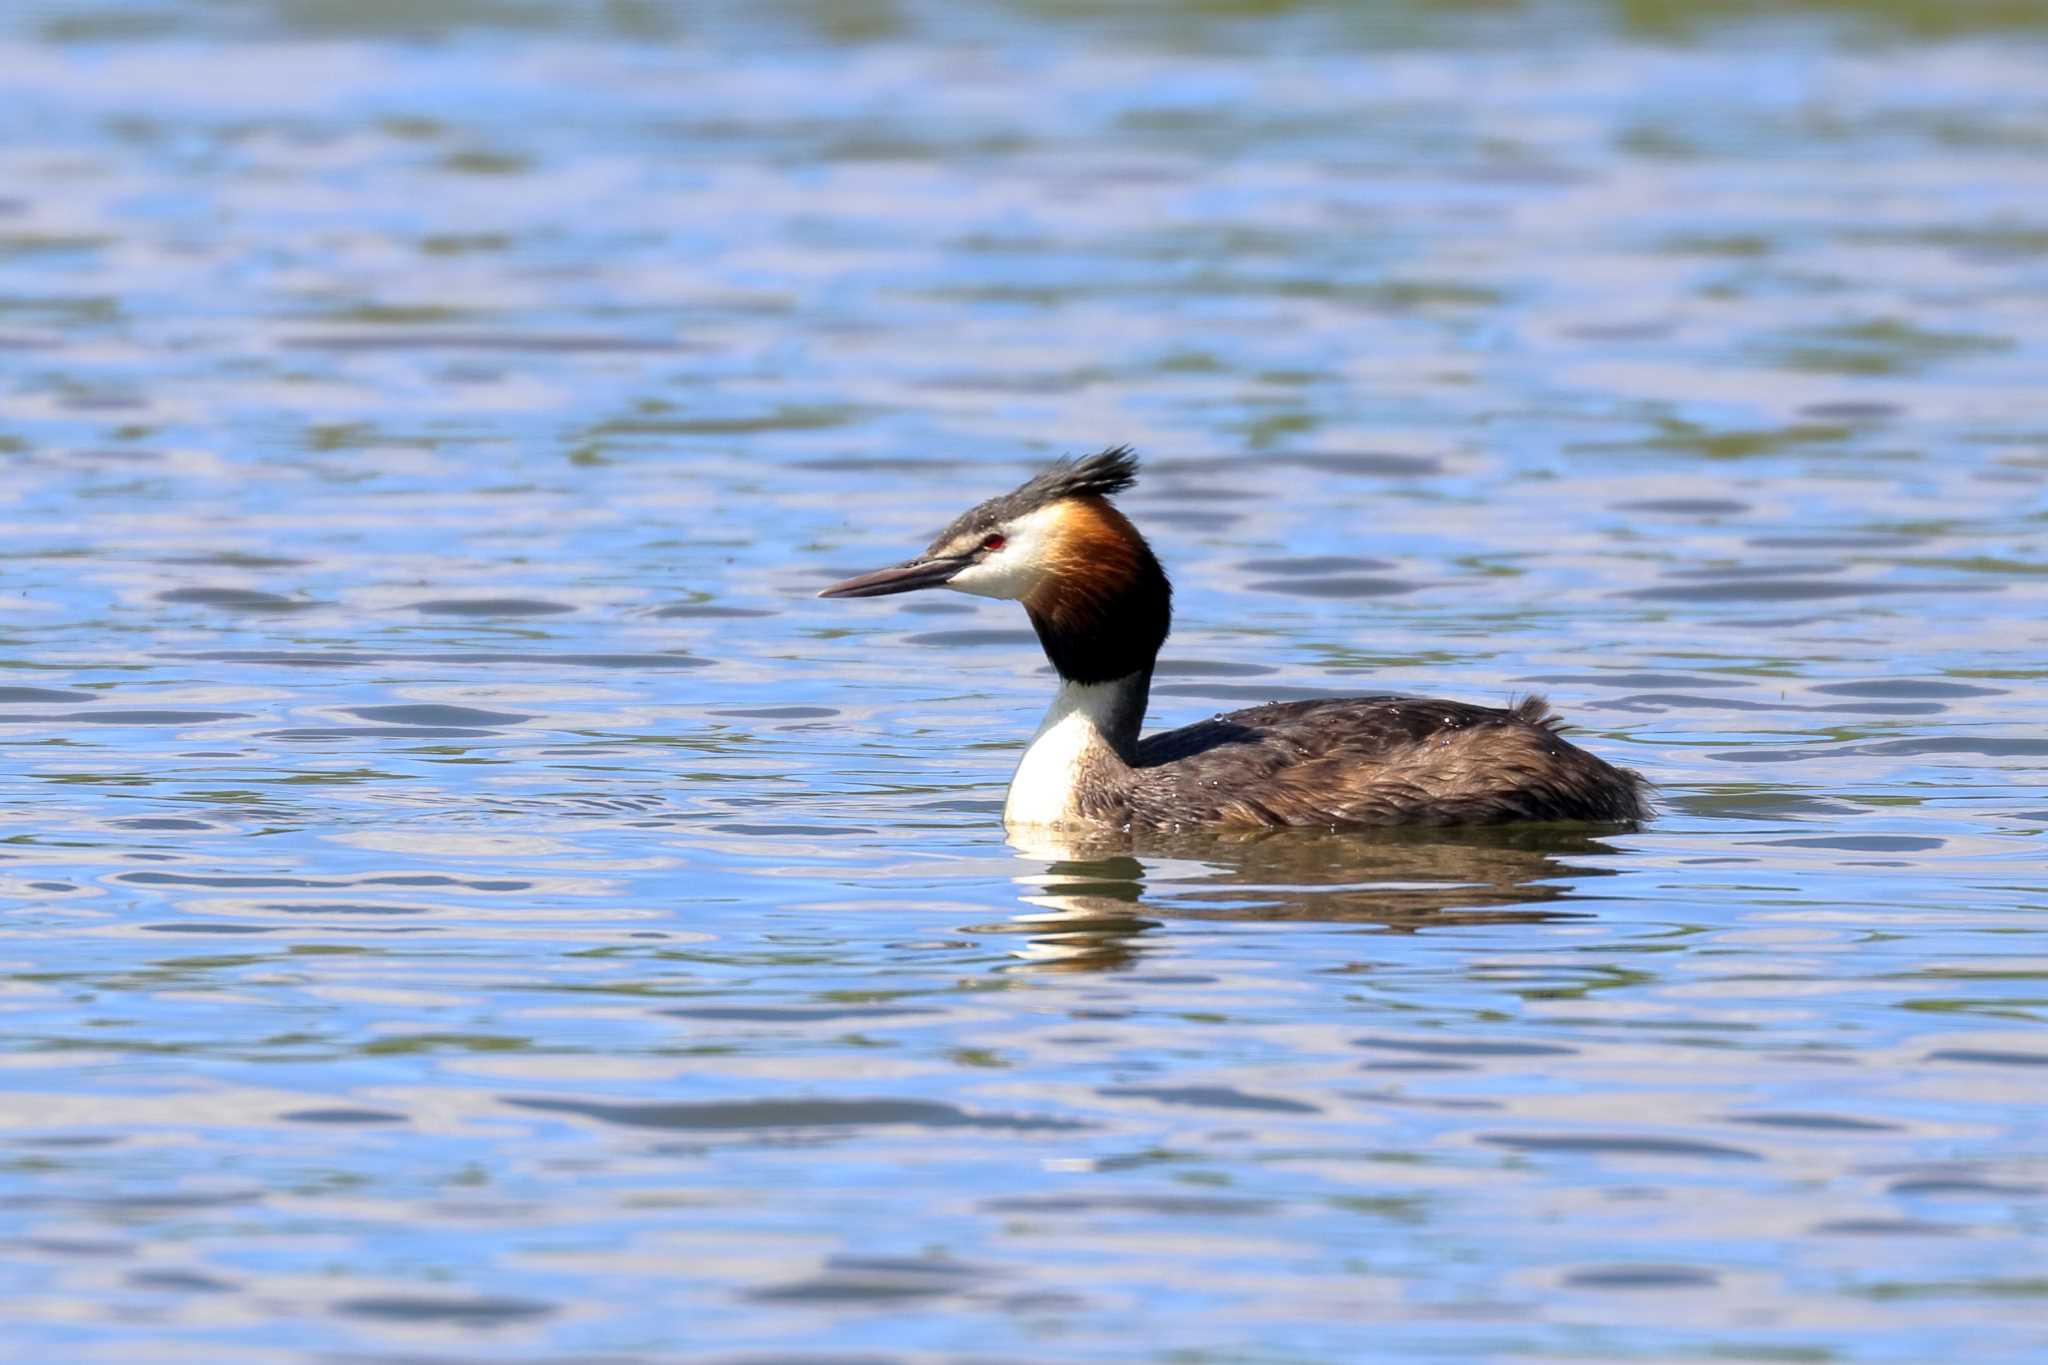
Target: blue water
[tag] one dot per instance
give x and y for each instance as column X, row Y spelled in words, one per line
column 465, row 899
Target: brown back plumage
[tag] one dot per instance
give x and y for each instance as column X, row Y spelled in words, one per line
column 1367, row 761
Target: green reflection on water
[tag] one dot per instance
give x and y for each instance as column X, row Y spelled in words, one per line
column 1924, row 18
column 1192, row 25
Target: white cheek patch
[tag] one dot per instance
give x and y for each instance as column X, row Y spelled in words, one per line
column 1012, row 572
column 997, row 576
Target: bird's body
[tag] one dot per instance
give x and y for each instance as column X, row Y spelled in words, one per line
column 1358, row 761
column 1101, row 606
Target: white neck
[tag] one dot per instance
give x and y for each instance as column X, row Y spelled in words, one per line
column 1073, row 745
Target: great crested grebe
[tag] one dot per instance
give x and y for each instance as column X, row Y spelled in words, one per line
column 1102, row 608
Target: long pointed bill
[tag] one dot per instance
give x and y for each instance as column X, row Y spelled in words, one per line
column 918, row 573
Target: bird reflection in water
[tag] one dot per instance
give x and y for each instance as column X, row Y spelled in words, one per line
column 1099, row 891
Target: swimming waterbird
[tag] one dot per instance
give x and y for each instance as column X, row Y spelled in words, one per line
column 1102, row 607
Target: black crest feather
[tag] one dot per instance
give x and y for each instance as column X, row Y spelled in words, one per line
column 1098, row 475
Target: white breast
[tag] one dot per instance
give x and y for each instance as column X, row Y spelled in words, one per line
column 1069, row 744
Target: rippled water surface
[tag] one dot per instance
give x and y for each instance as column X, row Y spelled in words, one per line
column 464, row 899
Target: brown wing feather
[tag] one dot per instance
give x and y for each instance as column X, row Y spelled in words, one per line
column 1370, row 761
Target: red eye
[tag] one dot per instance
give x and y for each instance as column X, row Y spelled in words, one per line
column 992, row 543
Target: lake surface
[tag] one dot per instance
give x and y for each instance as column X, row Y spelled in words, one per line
column 464, row 899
